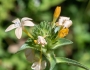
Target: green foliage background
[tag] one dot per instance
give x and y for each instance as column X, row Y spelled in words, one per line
column 39, row 10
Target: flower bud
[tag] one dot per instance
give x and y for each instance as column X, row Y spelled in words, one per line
column 35, row 41
column 41, row 41
column 57, row 12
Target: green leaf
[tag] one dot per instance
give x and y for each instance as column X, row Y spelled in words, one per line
column 57, row 29
column 70, row 61
column 28, row 44
column 50, row 57
column 61, row 42
column 43, row 29
column 23, row 47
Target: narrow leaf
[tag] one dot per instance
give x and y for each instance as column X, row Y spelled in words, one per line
column 70, row 61
column 26, row 45
column 23, row 47
column 61, row 42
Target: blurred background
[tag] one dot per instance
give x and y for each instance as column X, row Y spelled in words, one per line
column 39, row 10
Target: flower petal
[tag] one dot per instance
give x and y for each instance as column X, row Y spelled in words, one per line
column 43, row 65
column 18, row 32
column 35, row 65
column 28, row 23
column 25, row 19
column 67, row 23
column 64, row 18
column 60, row 22
column 38, row 65
column 29, row 53
column 16, row 20
column 12, row 26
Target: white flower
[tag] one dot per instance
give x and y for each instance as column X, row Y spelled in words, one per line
column 41, row 41
column 38, row 65
column 65, row 22
column 19, row 25
column 30, row 55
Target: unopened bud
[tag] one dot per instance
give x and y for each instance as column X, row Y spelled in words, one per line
column 57, row 12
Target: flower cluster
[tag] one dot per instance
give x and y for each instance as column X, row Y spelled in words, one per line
column 65, row 23
column 42, row 38
column 41, row 41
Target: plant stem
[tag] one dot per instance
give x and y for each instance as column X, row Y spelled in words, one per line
column 41, row 55
column 53, row 22
column 28, row 33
